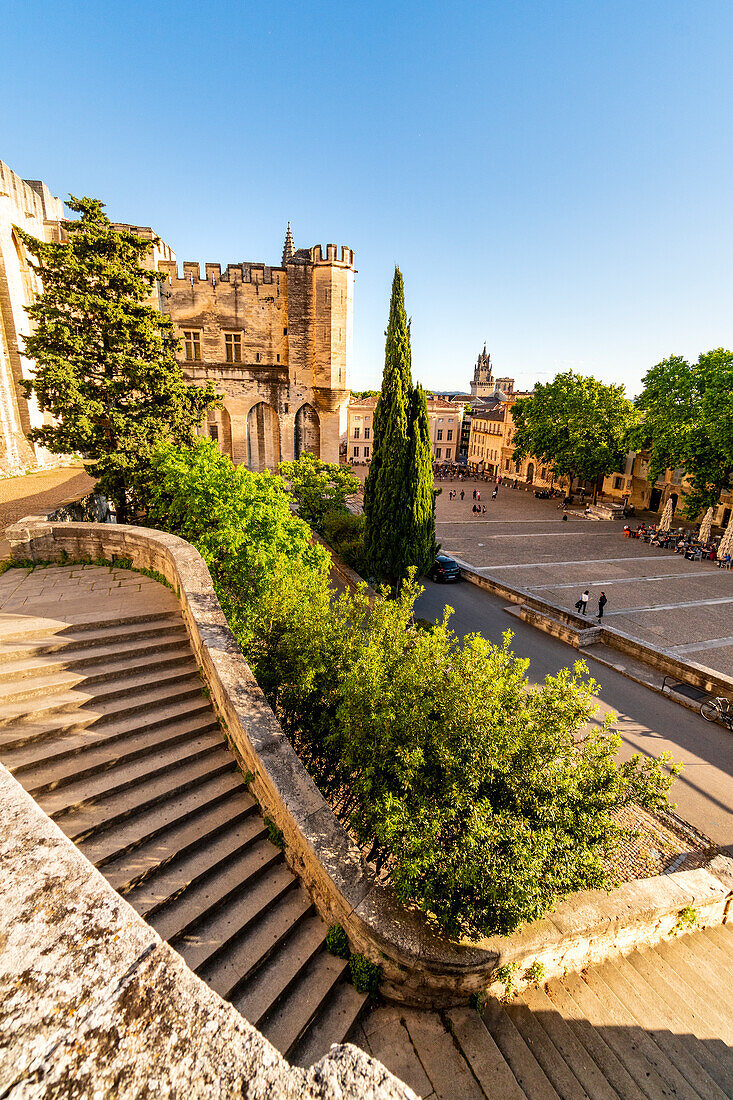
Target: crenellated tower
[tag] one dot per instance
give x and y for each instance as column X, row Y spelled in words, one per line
column 277, row 344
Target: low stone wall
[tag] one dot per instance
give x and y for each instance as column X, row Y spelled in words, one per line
column 576, row 631
column 93, row 1003
column 419, row 967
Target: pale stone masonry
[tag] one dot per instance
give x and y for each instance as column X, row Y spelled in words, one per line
column 29, row 205
column 277, row 344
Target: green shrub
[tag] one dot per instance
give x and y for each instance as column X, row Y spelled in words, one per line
column 318, row 487
column 536, row 972
column 365, row 976
column 337, row 942
column 506, row 976
column 275, row 835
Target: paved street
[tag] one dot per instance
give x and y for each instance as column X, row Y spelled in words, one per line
column 654, row 595
column 40, row 492
column 647, row 722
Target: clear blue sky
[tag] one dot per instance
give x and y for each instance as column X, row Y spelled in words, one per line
column 552, row 176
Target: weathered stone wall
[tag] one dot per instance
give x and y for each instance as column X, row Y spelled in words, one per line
column 93, row 1003
column 419, row 966
column 27, row 204
column 289, row 392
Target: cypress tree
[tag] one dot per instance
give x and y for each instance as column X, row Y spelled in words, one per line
column 399, row 504
column 419, row 474
column 105, row 357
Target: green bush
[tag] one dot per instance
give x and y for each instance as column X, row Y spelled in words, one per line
column 344, row 533
column 337, row 942
column 318, row 487
column 484, row 798
column 365, row 976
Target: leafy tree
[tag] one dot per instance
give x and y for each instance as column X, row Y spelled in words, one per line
column 578, row 425
column 360, row 395
column 397, row 524
column 688, row 421
column 319, row 487
column 105, row 365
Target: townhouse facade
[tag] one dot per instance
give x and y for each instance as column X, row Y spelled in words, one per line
column 445, row 419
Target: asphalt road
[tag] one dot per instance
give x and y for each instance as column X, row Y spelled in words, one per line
column 646, row 722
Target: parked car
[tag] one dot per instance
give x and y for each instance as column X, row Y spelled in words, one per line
column 445, row 569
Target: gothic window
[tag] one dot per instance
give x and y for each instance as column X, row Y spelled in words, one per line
column 233, row 345
column 214, row 432
column 192, row 344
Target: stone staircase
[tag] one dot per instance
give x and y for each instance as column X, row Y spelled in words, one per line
column 655, row 1025
column 104, row 721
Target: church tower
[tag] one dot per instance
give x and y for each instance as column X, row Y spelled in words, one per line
column 483, row 384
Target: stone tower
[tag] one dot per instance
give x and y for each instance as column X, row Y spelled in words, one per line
column 483, row 380
column 277, row 344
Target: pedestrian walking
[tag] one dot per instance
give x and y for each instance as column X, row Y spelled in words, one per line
column 483, row 510
column 582, row 604
column 474, row 494
column 463, row 493
column 602, row 601
column 478, row 495
column 493, row 495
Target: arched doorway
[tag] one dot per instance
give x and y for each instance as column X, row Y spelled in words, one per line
column 307, row 432
column 530, row 473
column 263, row 438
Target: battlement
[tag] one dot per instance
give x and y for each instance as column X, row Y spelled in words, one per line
column 253, row 273
column 332, row 256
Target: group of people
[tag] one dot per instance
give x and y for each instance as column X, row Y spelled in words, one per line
column 582, row 604
column 681, row 541
column 478, row 508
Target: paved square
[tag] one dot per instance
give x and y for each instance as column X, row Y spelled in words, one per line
column 654, row 595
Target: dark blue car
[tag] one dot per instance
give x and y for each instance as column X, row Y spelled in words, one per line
column 445, row 569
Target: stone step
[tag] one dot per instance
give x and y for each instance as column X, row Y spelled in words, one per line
column 567, row 1045
column 251, row 948
column 178, row 839
column 292, row 1016
column 108, row 678
column 673, row 1014
column 700, row 957
column 79, row 824
column 81, row 793
column 721, row 936
column 610, row 1065
column 556, row 1069
column 334, row 1022
column 77, row 727
column 73, row 640
column 60, row 745
column 186, row 869
column 120, row 697
column 647, row 1011
column 147, row 830
column 700, row 1014
column 211, row 939
column 272, row 981
column 14, row 626
column 487, row 1062
column 594, row 1000
column 83, row 660
column 52, row 774
column 624, row 1032
column 520, row 1059
column 717, row 992
column 181, row 916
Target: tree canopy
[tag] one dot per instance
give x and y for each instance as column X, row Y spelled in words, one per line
column 399, row 503
column 318, row 487
column 578, row 425
column 105, row 365
column 688, row 421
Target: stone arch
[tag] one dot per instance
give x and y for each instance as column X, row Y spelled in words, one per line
column 307, row 431
column 263, row 437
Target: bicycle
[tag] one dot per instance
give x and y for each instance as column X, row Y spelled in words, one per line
column 719, row 709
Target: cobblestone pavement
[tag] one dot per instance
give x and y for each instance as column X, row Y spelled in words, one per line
column 40, row 492
column 654, row 595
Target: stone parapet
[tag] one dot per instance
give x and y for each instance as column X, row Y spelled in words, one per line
column 419, row 966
